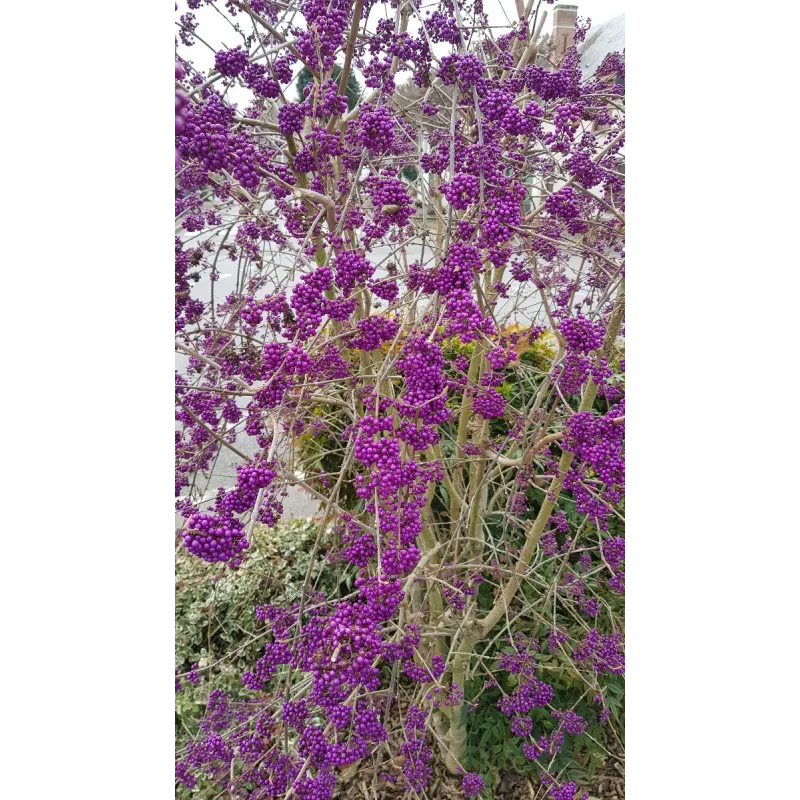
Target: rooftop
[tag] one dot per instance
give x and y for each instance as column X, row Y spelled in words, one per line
column 608, row 37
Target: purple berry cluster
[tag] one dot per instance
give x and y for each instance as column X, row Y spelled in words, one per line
column 352, row 268
column 461, row 191
column 466, row 69
column 376, row 131
column 563, row 204
column 571, row 722
column 544, row 746
column 214, row 538
column 256, row 77
column 581, row 334
column 472, row 785
column 374, row 331
column 489, row 404
column 443, row 28
column 464, row 318
column 528, row 695
column 614, row 551
column 291, row 118
column 309, row 302
column 416, row 769
column 231, row 63
column 326, row 22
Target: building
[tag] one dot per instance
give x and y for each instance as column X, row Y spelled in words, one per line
column 562, row 36
column 608, row 37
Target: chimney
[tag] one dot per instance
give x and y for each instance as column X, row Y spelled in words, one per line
column 563, row 26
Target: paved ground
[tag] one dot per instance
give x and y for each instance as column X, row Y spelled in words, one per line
column 298, row 503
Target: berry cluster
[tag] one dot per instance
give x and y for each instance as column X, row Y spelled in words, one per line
column 489, row 404
column 571, row 722
column 291, row 118
column 373, row 331
column 466, row 69
column 231, row 63
column 416, row 769
column 442, row 28
column 309, row 303
column 472, row 784
column 614, row 551
column 581, row 334
column 256, row 78
column 464, row 318
column 461, row 191
column 391, row 202
column 582, row 166
column 352, row 268
column 326, row 101
column 566, row 121
column 503, row 215
column 376, row 131
column 215, row 538
column 326, row 22
column 563, row 204
column 549, row 746
column 528, row 695
column 598, row 443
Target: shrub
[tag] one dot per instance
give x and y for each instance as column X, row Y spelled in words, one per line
column 445, row 372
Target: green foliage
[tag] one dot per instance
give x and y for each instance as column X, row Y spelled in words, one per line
column 492, row 748
column 409, row 174
column 215, row 624
column 322, row 453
